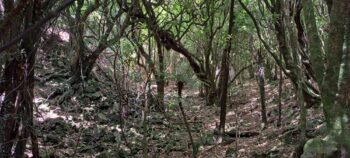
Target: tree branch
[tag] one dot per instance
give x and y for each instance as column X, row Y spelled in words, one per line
column 239, row 72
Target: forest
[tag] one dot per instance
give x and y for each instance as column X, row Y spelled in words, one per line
column 175, row 78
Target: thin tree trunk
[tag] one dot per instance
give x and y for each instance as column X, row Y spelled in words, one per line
column 180, row 85
column 9, row 122
column 224, row 74
column 280, row 88
column 261, row 81
column 160, row 77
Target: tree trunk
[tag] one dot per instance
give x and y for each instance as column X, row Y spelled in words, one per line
column 314, row 42
column 9, row 122
column 261, row 81
column 334, row 109
column 224, row 74
column 84, row 59
column 18, row 76
column 160, row 78
column 280, row 86
column 285, row 49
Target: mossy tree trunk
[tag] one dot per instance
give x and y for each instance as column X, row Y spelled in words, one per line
column 335, row 109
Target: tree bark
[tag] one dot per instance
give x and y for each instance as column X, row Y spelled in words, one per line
column 18, row 76
column 160, row 77
column 314, row 41
column 280, row 86
column 261, row 81
column 224, row 74
column 331, row 96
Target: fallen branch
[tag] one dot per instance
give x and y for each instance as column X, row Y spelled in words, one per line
column 245, row 134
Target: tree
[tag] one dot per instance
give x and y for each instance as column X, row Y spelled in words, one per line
column 335, row 106
column 18, row 75
column 84, row 55
column 261, row 83
column 224, row 74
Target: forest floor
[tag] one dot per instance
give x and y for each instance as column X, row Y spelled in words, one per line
column 88, row 132
column 86, row 122
column 243, row 119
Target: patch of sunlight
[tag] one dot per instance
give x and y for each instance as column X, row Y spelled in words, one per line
column 254, row 99
column 337, row 127
column 242, row 150
column 50, row 115
column 262, row 144
column 88, row 109
column 124, row 147
column 102, row 126
column 133, row 130
column 117, row 127
column 28, row 153
column 294, row 122
column 70, row 118
column 248, row 124
column 345, row 118
column 213, row 124
column 163, row 135
column 230, row 128
column 44, row 107
column 39, row 100
column 133, row 55
column 231, row 113
column 201, row 148
column 53, row 83
column 196, row 93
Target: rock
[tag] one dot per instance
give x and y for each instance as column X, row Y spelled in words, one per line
column 318, row 147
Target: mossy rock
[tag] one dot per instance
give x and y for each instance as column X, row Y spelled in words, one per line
column 318, row 147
